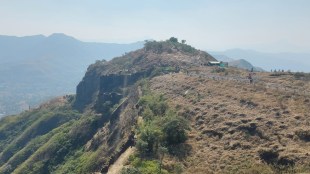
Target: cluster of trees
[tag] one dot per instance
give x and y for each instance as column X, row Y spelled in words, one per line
column 175, row 40
column 157, row 135
column 162, row 127
column 169, row 45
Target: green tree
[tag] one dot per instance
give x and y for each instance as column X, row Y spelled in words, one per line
column 173, row 39
column 149, row 139
column 174, row 130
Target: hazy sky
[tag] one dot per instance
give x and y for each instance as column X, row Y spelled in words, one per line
column 264, row 25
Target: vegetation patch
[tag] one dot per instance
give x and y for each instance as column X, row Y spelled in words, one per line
column 303, row 135
column 160, row 132
column 161, row 125
column 169, row 46
column 302, row 76
column 269, row 156
column 279, row 164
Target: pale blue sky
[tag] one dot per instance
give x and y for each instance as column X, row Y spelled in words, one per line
column 263, row 25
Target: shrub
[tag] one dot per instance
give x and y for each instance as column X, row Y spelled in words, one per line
column 106, row 107
column 159, row 108
column 147, row 166
column 156, row 103
column 149, row 139
column 147, row 114
column 269, row 156
column 303, row 135
column 130, row 170
column 144, row 83
column 178, row 168
column 175, row 130
column 142, row 146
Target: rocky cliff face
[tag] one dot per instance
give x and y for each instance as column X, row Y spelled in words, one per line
column 86, row 90
column 103, row 78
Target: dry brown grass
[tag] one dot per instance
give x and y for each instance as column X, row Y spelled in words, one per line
column 232, row 121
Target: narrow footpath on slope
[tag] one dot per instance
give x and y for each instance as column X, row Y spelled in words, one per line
column 120, row 162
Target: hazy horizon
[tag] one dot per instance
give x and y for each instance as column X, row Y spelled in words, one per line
column 223, row 50
column 265, row 26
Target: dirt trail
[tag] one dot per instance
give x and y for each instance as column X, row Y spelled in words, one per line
column 119, row 163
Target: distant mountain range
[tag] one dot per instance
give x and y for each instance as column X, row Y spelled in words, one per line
column 243, row 64
column 239, row 63
column 34, row 68
column 271, row 61
column 223, row 58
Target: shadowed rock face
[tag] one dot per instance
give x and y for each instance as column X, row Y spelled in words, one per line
column 85, row 91
column 112, row 87
column 108, row 83
column 99, row 89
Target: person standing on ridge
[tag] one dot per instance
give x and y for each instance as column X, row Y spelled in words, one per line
column 250, row 78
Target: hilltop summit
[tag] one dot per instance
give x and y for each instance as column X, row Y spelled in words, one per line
column 156, row 53
column 137, row 64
